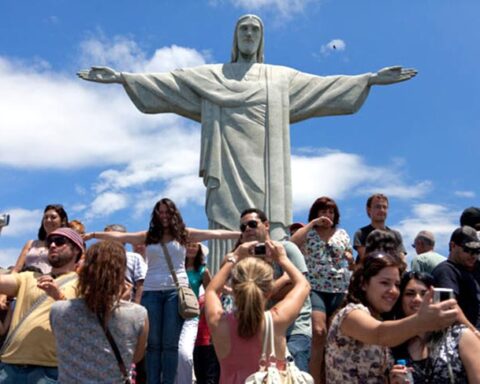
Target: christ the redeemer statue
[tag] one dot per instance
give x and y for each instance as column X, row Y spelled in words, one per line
column 245, row 108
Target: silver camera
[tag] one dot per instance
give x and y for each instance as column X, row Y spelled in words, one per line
column 442, row 294
column 4, row 220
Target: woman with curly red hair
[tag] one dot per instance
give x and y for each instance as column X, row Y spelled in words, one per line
column 80, row 325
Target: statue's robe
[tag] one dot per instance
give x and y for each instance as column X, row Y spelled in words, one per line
column 245, row 111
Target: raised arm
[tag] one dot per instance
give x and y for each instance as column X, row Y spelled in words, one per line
column 198, row 235
column 286, row 310
column 213, row 305
column 101, row 75
column 135, row 238
column 300, row 236
column 8, row 285
column 363, row 327
column 391, row 75
column 21, row 258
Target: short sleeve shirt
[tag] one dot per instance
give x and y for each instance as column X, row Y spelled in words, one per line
column 327, row 266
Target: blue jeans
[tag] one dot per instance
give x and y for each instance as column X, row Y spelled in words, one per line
column 163, row 337
column 27, row 374
column 299, row 348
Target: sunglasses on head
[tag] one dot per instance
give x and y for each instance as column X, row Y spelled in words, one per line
column 251, row 224
column 58, row 240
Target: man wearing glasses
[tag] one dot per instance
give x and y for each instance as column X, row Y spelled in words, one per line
column 461, row 272
column 255, row 226
column 29, row 354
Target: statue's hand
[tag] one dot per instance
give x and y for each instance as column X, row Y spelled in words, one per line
column 390, row 75
column 100, row 75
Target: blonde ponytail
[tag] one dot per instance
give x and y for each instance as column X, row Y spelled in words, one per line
column 252, row 280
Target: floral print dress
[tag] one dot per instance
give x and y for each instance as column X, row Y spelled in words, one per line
column 326, row 262
column 350, row 361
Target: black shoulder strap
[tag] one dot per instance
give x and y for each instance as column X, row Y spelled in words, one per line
column 115, row 349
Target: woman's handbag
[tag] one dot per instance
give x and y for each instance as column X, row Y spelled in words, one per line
column 268, row 373
column 188, row 307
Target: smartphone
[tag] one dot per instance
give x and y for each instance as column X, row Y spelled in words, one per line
column 259, row 250
column 442, row 294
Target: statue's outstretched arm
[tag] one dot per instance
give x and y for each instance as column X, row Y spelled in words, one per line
column 390, row 75
column 101, row 75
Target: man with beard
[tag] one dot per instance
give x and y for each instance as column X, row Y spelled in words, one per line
column 29, row 354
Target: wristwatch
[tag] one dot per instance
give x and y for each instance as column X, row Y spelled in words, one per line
column 231, row 259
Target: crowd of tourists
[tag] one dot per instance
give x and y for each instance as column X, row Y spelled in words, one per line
column 344, row 311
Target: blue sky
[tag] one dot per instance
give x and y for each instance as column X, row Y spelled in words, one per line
column 63, row 140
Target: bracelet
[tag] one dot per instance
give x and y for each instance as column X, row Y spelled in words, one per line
column 231, row 259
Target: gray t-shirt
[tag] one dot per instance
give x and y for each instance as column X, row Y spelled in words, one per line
column 303, row 323
column 84, row 353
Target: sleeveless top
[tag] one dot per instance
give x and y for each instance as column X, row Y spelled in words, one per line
column 84, row 353
column 327, row 266
column 195, row 278
column 443, row 350
column 37, row 256
column 158, row 276
column 243, row 358
column 350, row 361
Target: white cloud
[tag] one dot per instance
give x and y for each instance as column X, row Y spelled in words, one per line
column 338, row 174
column 335, row 45
column 68, row 123
column 23, row 222
column 436, row 218
column 467, row 194
column 107, row 203
column 8, row 256
column 285, row 8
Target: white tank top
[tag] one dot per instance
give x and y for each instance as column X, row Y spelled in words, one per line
column 158, row 274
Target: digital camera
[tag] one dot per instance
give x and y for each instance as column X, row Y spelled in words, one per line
column 442, row 294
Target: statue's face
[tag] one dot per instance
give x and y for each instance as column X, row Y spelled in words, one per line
column 249, row 36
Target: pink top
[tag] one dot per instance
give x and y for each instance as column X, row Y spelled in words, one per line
column 243, row 358
column 37, row 256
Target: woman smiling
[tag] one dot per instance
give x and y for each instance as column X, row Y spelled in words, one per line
column 358, row 339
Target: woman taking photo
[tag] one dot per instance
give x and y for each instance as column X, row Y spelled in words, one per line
column 328, row 255
column 237, row 337
column 358, row 340
column 160, row 292
column 35, row 253
column 446, row 357
column 85, row 355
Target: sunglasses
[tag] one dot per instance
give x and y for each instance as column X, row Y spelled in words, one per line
column 471, row 251
column 251, row 224
column 58, row 240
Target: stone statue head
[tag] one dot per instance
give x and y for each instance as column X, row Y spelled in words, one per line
column 237, row 45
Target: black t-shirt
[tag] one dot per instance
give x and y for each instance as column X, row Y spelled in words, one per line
column 465, row 285
column 360, row 237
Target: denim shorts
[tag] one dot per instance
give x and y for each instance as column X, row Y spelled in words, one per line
column 326, row 302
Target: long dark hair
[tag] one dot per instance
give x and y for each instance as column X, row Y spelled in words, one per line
column 401, row 351
column 199, row 259
column 176, row 226
column 373, row 264
column 425, row 278
column 102, row 276
column 42, row 234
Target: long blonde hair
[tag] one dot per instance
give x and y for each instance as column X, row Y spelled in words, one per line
column 252, row 281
